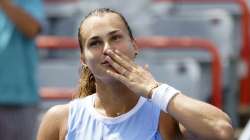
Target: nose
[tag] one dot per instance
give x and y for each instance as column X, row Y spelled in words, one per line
column 106, row 48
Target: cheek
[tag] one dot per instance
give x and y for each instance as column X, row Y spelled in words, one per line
column 90, row 58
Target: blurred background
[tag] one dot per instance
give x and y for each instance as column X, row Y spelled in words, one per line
column 201, row 47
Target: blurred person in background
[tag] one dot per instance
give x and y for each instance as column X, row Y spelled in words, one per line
column 20, row 22
column 119, row 100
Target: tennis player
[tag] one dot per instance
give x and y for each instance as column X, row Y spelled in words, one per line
column 119, row 100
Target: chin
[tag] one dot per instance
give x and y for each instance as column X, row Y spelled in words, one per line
column 102, row 75
column 105, row 77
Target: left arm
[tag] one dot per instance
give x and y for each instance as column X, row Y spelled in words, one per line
column 23, row 20
column 200, row 119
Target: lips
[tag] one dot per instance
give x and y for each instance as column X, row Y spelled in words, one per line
column 106, row 63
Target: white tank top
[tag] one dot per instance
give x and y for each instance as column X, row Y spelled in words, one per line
column 85, row 123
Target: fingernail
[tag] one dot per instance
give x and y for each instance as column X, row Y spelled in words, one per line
column 109, row 51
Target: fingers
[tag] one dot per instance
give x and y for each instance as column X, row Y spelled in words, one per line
column 122, row 56
column 121, row 59
column 126, row 58
column 121, row 70
column 117, row 76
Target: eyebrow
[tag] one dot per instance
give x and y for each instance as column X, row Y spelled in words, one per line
column 113, row 32
column 94, row 38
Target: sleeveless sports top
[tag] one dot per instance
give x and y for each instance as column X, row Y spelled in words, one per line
column 85, row 123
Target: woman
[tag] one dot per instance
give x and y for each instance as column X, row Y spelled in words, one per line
column 115, row 91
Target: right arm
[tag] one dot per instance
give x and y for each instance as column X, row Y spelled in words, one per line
column 54, row 122
column 24, row 21
column 201, row 119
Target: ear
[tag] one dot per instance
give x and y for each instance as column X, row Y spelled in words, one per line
column 135, row 47
column 82, row 58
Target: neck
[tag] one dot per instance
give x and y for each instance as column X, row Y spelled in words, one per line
column 114, row 98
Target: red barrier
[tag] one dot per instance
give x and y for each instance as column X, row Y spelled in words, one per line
column 56, row 42
column 54, row 93
column 152, row 42
column 191, row 43
column 245, row 51
column 60, row 1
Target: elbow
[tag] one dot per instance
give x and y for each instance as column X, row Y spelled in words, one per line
column 224, row 131
column 34, row 32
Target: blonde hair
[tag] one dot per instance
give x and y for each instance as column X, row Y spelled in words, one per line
column 86, row 83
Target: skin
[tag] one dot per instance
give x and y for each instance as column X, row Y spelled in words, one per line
column 106, row 39
column 24, row 22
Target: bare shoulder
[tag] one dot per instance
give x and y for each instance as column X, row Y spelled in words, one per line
column 54, row 123
column 168, row 127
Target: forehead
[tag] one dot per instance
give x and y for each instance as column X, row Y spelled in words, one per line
column 102, row 24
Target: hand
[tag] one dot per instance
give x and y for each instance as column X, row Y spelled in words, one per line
column 137, row 79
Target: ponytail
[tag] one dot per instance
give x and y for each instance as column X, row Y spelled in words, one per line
column 86, row 83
